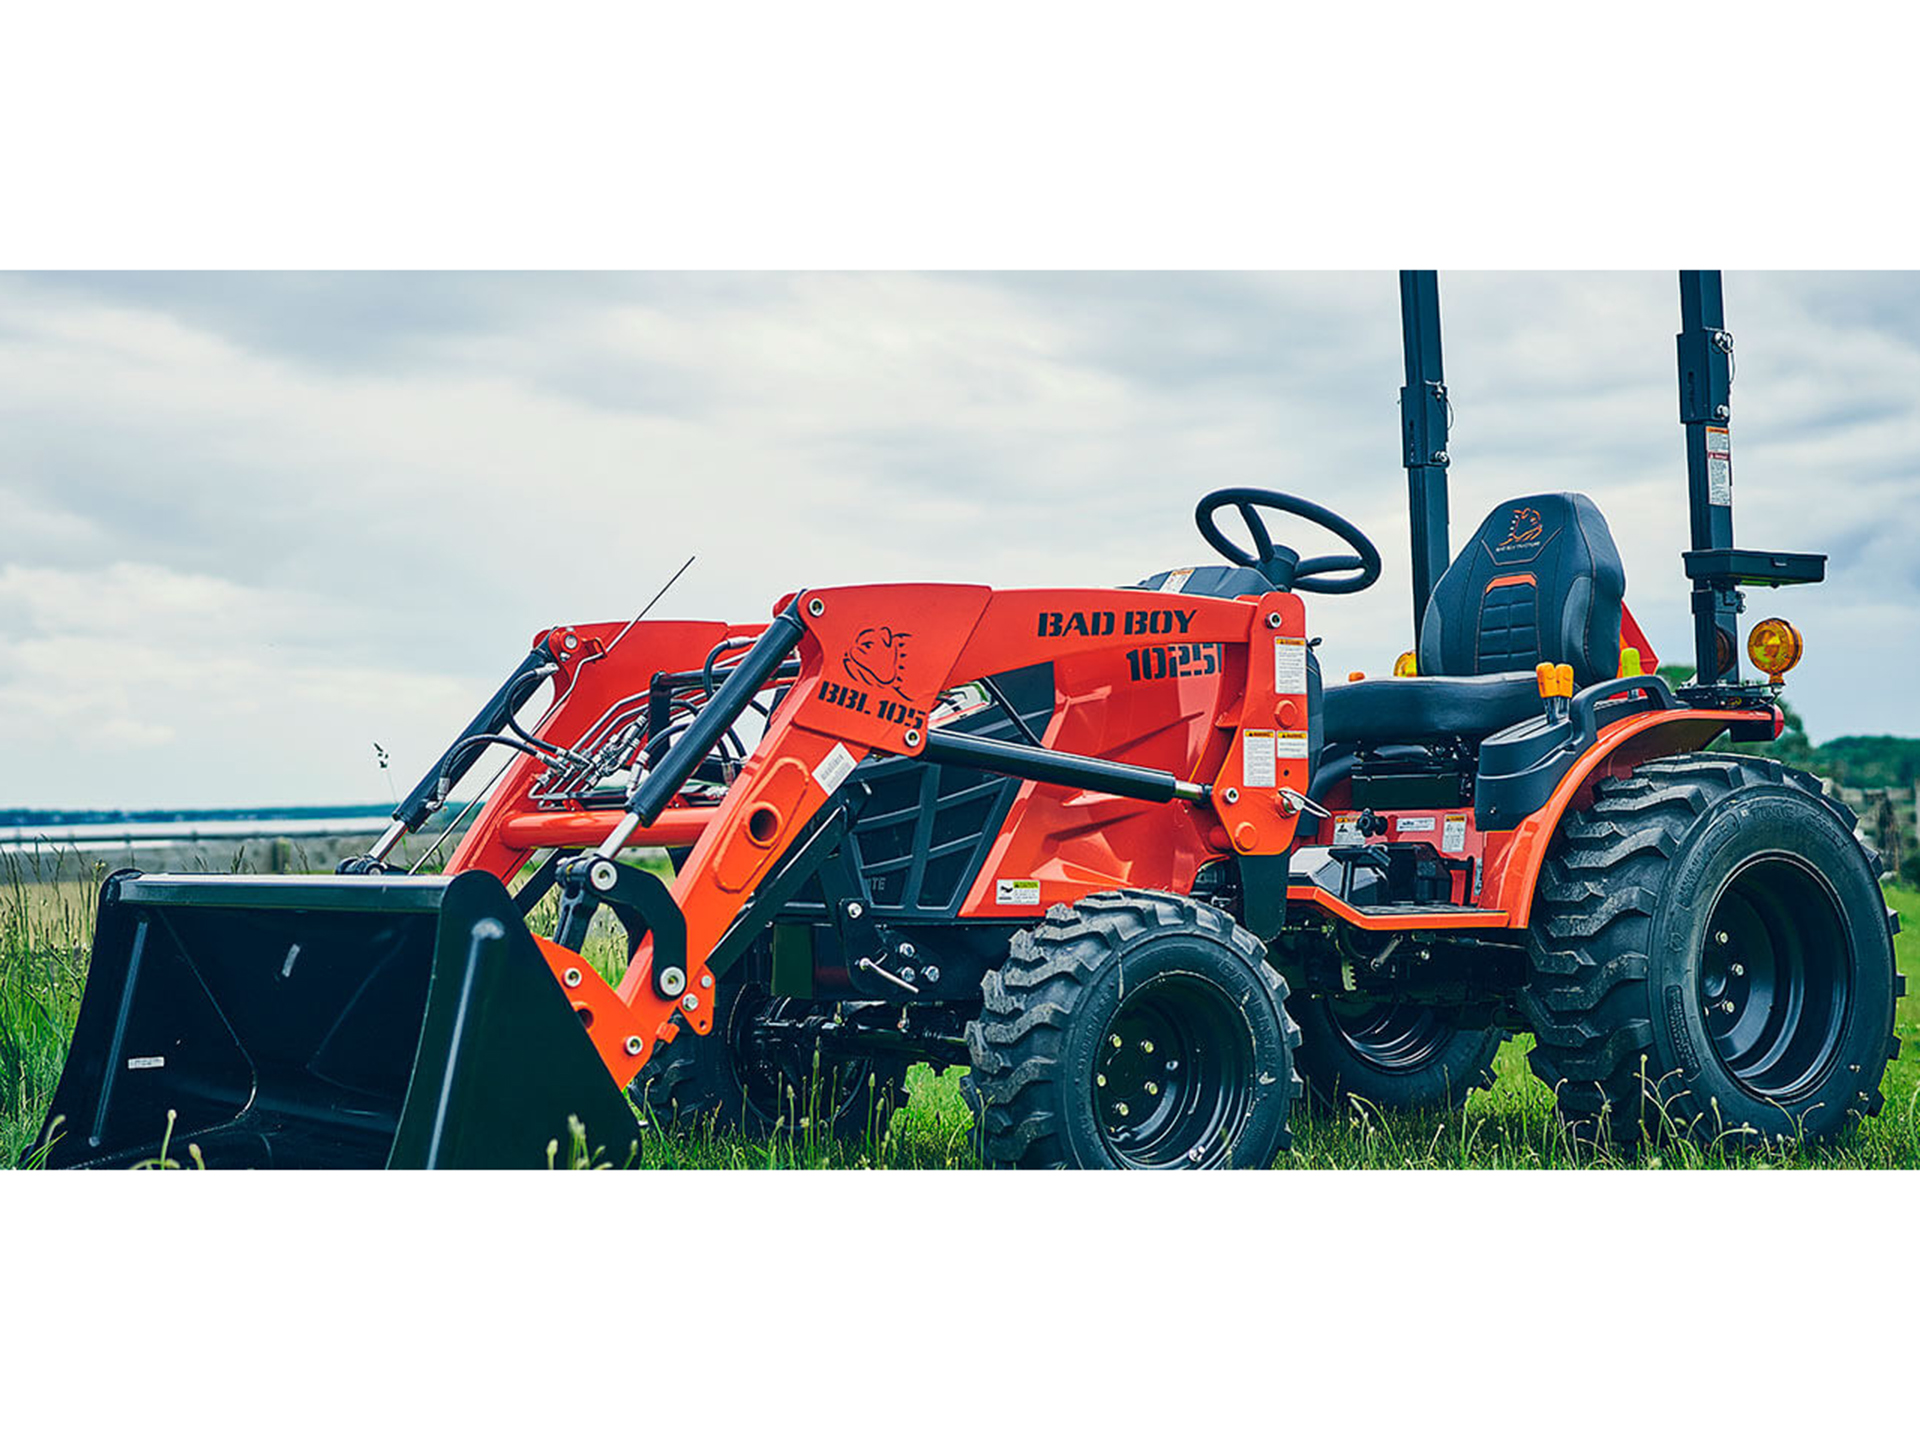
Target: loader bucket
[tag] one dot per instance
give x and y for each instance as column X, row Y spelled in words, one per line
column 324, row 1023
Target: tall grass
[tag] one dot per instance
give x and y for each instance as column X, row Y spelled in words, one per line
column 46, row 927
column 46, row 936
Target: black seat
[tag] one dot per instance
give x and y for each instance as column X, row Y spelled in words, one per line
column 1540, row 581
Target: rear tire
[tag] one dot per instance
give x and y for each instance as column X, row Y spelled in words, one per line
column 721, row 1081
column 1398, row 1057
column 1133, row 1031
column 1711, row 952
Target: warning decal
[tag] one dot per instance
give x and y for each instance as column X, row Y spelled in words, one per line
column 1290, row 744
column 1453, row 835
column 1719, row 466
column 1256, row 759
column 1346, row 830
column 1719, row 480
column 1289, row 665
column 1016, row 892
column 1410, row 824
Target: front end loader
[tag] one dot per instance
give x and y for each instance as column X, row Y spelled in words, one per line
column 1122, row 853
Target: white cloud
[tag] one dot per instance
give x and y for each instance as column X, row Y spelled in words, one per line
column 257, row 522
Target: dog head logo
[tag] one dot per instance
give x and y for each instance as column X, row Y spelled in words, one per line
column 878, row 656
column 1525, row 527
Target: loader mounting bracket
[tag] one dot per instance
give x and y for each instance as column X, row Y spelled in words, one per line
column 641, row 902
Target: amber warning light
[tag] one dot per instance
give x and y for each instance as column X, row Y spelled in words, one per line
column 1775, row 647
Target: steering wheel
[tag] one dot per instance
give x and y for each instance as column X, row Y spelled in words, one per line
column 1283, row 567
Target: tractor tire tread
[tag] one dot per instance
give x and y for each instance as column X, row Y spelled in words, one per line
column 1592, row 923
column 1016, row 1045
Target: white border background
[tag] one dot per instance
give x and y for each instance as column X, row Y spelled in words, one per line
column 856, row 136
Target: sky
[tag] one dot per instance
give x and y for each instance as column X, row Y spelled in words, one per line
column 257, row 523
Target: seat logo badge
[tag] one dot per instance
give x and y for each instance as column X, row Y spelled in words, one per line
column 1525, row 527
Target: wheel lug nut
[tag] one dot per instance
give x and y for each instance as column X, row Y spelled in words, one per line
column 1100, row 1080
column 1152, row 1089
column 1121, row 1109
column 1147, row 1046
column 1721, row 937
column 1116, row 1041
column 1727, row 1005
column 1737, row 968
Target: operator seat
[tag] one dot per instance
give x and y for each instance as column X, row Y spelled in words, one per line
column 1539, row 581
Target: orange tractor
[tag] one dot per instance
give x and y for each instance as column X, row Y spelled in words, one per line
column 1120, row 852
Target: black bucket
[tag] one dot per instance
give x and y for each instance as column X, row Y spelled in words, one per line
column 325, row 1023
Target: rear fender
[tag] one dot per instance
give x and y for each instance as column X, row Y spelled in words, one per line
column 1513, row 860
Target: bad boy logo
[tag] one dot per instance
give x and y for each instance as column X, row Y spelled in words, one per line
column 1525, row 527
column 878, row 657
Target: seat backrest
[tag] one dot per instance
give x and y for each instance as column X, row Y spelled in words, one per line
column 1540, row 580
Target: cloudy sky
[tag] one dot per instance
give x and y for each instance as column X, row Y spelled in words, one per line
column 256, row 523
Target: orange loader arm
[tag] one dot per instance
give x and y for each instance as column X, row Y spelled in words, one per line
column 873, row 661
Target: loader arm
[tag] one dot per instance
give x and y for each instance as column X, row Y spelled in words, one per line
column 874, row 661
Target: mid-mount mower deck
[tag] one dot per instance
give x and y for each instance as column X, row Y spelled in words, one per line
column 1119, row 851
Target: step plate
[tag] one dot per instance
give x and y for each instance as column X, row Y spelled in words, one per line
column 1400, row 917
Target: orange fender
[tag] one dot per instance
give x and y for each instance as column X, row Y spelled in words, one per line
column 1511, row 871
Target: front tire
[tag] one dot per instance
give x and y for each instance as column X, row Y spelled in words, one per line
column 1711, row 952
column 1134, row 1030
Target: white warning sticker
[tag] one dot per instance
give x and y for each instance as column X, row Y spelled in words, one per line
column 1256, row 759
column 1719, row 480
column 1453, row 834
column 1415, row 824
column 1176, row 580
column 1346, row 829
column 1289, row 665
column 1016, row 892
column 1290, row 744
column 1718, row 443
column 146, row 1062
column 837, row 765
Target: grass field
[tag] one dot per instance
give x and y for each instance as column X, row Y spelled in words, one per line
column 46, row 922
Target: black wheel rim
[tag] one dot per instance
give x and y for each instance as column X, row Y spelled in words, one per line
column 1776, row 977
column 779, row 1083
column 1392, row 1037
column 1172, row 1079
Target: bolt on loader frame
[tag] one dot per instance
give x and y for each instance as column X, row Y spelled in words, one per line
column 1085, row 841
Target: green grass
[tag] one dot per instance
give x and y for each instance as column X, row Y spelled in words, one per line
column 46, row 935
column 46, row 923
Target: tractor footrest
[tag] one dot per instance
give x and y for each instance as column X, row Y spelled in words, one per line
column 1409, row 909
column 1400, row 915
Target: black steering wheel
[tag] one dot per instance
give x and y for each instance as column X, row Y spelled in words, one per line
column 1283, row 567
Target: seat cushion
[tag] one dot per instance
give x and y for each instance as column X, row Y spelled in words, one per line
column 1373, row 712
